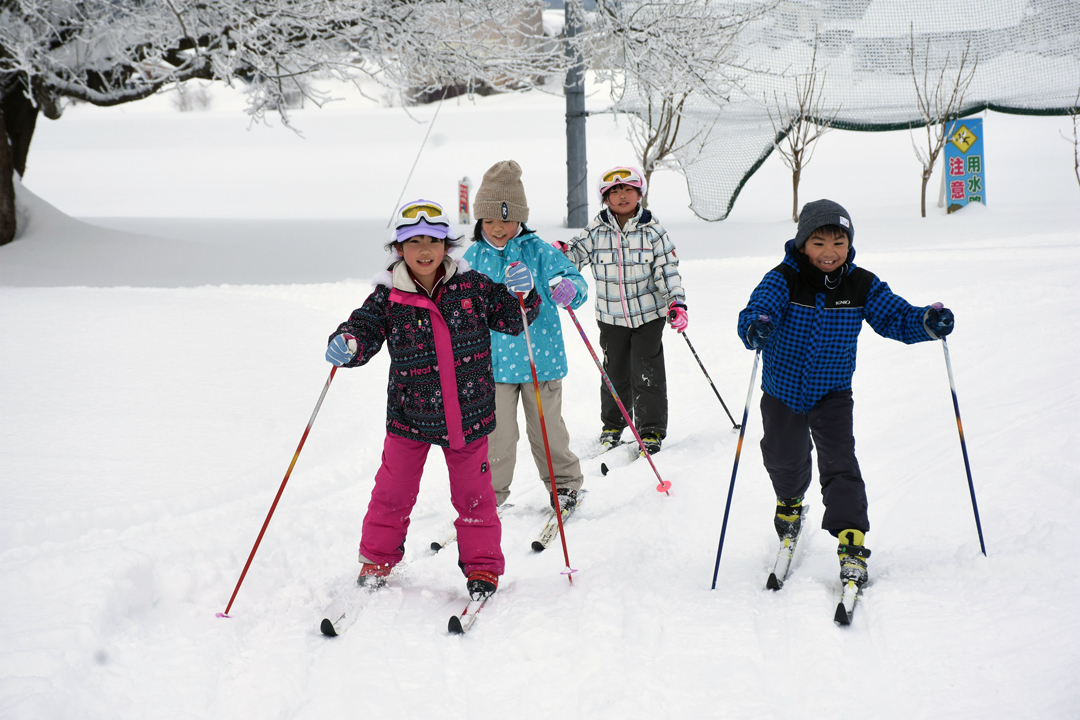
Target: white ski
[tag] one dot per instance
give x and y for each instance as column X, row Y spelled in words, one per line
column 551, row 526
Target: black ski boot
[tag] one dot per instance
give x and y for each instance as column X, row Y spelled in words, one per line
column 788, row 519
column 853, row 557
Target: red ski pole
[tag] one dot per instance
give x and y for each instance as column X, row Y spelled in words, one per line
column 547, row 449
column 281, row 489
column 664, row 485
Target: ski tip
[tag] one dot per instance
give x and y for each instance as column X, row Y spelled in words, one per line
column 773, row 583
column 454, row 627
column 841, row 617
column 538, row 546
column 327, row 628
column 603, row 469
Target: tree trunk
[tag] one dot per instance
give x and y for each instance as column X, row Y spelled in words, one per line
column 925, row 178
column 18, row 117
column 795, row 175
column 7, row 187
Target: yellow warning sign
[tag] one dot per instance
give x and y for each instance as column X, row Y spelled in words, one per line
column 963, row 139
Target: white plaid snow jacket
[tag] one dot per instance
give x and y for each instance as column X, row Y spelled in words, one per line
column 636, row 269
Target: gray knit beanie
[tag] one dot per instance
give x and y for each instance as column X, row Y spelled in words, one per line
column 501, row 195
column 819, row 214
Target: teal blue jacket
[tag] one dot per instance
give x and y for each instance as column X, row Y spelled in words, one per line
column 510, row 356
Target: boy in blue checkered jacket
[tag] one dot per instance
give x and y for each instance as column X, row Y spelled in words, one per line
column 805, row 317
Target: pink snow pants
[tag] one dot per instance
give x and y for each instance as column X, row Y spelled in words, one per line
column 397, row 485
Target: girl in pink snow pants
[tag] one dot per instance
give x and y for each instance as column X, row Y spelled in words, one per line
column 434, row 314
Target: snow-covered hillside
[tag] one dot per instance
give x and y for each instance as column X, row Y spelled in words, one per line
column 161, row 355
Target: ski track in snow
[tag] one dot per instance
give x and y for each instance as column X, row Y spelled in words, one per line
column 147, row 428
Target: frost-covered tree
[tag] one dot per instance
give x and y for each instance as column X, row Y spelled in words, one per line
column 110, row 52
column 665, row 59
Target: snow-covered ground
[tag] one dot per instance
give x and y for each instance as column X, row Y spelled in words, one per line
column 161, row 355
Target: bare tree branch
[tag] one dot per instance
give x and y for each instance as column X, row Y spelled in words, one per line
column 939, row 98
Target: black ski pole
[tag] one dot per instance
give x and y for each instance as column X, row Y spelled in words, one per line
column 734, row 425
column 735, row 469
column 963, row 446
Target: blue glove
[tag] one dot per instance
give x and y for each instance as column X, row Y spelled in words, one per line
column 518, row 278
column 759, row 331
column 341, row 350
column 938, row 320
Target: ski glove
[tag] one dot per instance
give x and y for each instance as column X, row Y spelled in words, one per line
column 677, row 317
column 518, row 278
column 759, row 331
column 563, row 291
column 560, row 246
column 938, row 320
column 341, row 350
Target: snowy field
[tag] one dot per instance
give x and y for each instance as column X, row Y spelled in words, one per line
column 163, row 319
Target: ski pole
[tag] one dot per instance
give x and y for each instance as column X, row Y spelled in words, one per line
column 963, row 445
column 664, row 485
column 281, row 489
column 543, row 431
column 734, row 425
column 735, row 468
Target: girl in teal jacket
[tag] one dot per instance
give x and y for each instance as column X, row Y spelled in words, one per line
column 500, row 238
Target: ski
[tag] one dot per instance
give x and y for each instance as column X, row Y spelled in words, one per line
column 599, row 450
column 784, row 556
column 846, row 607
column 460, row 624
column 437, row 545
column 631, row 452
column 451, row 538
column 551, row 526
column 343, row 613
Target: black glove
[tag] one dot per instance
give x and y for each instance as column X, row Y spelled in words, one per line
column 759, row 331
column 938, row 320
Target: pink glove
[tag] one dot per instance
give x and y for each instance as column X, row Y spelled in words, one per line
column 677, row 317
column 560, row 246
column 563, row 291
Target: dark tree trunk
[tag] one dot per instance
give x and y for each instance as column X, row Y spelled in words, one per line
column 7, row 187
column 18, row 117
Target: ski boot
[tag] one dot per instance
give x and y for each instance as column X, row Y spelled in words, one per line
column 610, row 437
column 853, row 557
column 788, row 519
column 651, row 441
column 482, row 584
column 373, row 575
column 567, row 500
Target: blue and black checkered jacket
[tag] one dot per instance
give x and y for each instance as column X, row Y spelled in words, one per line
column 811, row 352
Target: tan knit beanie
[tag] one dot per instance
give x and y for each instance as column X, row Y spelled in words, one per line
column 501, row 194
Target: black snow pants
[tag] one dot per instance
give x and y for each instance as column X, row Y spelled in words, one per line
column 786, row 446
column 634, row 361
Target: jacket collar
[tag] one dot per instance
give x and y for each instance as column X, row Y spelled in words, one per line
column 400, row 279
column 642, row 218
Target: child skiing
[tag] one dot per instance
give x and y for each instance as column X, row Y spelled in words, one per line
column 434, row 314
column 501, row 238
column 805, row 317
column 637, row 288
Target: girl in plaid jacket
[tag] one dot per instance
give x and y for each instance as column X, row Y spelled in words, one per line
column 638, row 288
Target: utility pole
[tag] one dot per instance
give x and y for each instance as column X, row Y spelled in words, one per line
column 577, row 185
